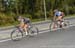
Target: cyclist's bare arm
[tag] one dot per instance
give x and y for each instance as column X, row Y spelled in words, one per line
column 54, row 18
column 21, row 23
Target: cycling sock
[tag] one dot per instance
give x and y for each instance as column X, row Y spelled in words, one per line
column 26, row 33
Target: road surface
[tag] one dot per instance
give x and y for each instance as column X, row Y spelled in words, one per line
column 54, row 39
column 62, row 38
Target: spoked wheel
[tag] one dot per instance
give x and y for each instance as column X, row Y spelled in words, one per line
column 66, row 23
column 16, row 34
column 52, row 27
column 33, row 31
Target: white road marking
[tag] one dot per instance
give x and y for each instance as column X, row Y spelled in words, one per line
column 5, row 40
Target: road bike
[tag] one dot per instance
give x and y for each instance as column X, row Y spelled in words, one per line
column 18, row 33
column 58, row 24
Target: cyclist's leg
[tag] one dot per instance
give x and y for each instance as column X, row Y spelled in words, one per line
column 25, row 28
column 54, row 23
column 60, row 20
column 21, row 25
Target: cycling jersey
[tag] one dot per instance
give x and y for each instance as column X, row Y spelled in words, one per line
column 58, row 13
column 26, row 20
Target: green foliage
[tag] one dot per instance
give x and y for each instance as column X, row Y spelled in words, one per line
column 28, row 16
column 4, row 19
column 33, row 9
column 72, row 10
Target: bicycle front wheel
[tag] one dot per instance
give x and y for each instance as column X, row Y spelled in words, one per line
column 16, row 34
column 53, row 26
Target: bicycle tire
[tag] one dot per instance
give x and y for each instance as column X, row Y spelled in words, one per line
column 51, row 26
column 17, row 36
column 66, row 23
column 33, row 30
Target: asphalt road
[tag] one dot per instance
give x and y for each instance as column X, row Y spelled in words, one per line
column 62, row 38
column 4, row 34
column 55, row 39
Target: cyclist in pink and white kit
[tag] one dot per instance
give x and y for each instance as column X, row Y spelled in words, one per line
column 58, row 16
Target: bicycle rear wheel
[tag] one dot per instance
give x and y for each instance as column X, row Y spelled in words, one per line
column 33, row 31
column 16, row 34
column 66, row 23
